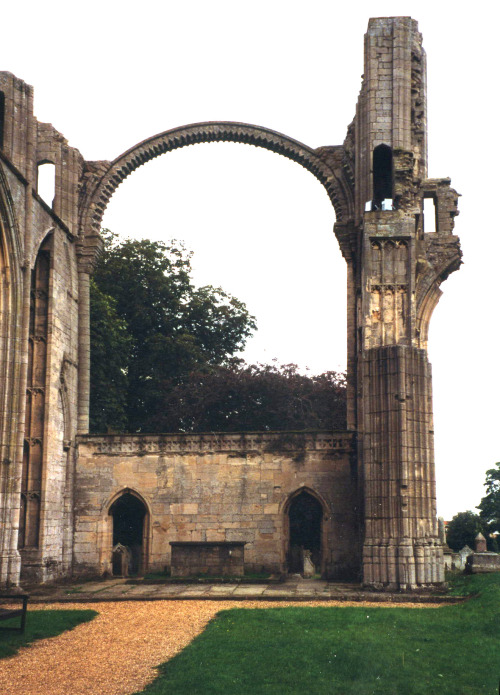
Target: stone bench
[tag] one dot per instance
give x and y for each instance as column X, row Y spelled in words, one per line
column 8, row 613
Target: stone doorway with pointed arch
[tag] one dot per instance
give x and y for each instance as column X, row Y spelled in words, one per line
column 128, row 526
column 305, row 529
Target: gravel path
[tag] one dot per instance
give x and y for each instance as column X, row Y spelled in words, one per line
column 117, row 653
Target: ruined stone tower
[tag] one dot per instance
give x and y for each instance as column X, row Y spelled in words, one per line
column 372, row 487
column 398, row 282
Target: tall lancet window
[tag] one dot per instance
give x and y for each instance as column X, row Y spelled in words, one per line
column 382, row 176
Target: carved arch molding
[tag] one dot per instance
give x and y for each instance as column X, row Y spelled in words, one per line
column 101, row 179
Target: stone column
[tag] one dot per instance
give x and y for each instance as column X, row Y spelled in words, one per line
column 88, row 250
column 401, row 541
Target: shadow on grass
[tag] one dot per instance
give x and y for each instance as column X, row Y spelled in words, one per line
column 40, row 624
column 384, row 651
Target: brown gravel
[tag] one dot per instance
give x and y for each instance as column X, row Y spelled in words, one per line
column 117, row 653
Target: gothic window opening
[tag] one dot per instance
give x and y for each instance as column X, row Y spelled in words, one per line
column 46, row 182
column 382, row 176
column 430, row 215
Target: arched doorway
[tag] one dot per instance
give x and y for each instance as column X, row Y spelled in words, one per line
column 130, row 520
column 305, row 532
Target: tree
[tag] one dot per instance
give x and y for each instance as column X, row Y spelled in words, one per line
column 144, row 289
column 162, row 354
column 463, row 529
column 489, row 507
column 490, row 504
column 240, row 397
column 110, row 349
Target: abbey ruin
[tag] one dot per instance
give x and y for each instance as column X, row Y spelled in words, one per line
column 364, row 498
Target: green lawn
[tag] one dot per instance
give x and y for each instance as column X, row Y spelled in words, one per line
column 453, row 650
column 40, row 624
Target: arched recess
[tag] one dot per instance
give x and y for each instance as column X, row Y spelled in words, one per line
column 107, row 176
column 305, row 517
column 35, row 446
column 11, row 396
column 128, row 522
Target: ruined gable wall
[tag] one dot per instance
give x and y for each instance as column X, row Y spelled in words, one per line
column 226, row 487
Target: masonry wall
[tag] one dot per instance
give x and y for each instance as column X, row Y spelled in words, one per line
column 46, row 554
column 40, row 353
column 218, row 488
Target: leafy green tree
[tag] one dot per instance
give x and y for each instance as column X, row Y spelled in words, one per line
column 489, row 507
column 463, row 529
column 110, row 350
column 172, row 329
column 162, row 354
column 490, row 504
column 237, row 397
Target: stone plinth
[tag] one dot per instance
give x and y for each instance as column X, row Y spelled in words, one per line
column 479, row 563
column 217, row 559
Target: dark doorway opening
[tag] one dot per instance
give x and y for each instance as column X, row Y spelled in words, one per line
column 128, row 514
column 305, row 514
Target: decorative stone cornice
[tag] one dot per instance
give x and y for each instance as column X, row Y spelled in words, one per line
column 259, row 442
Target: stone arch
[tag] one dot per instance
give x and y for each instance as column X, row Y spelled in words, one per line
column 38, row 243
column 317, row 533
column 128, row 518
column 107, row 176
column 101, row 179
column 429, row 278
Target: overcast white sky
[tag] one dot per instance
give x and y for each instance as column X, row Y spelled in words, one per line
column 109, row 74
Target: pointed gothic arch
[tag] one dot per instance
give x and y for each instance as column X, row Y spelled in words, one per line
column 305, row 514
column 128, row 518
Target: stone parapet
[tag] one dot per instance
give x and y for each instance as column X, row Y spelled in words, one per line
column 137, row 445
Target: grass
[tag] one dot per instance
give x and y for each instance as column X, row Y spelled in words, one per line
column 40, row 624
column 346, row 651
